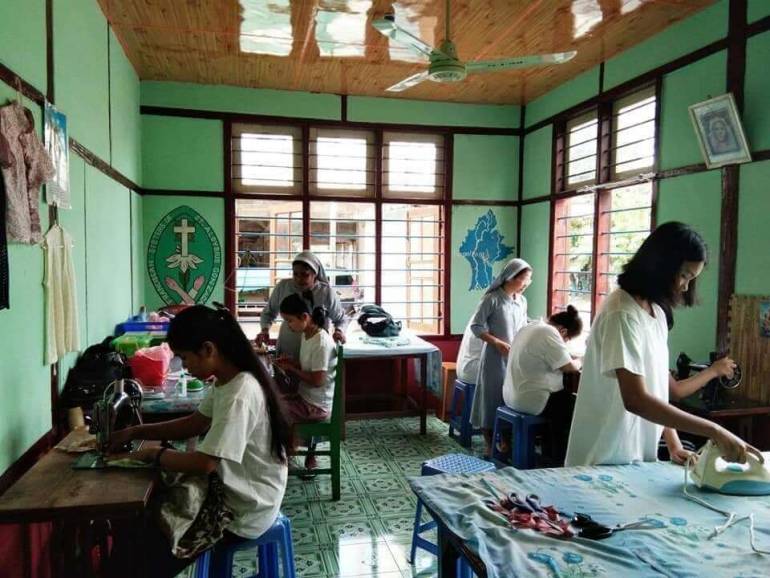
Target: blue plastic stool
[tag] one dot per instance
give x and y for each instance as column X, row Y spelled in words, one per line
column 522, row 438
column 460, row 413
column 218, row 561
column 447, row 464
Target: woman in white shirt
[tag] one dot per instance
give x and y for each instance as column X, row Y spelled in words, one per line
column 622, row 405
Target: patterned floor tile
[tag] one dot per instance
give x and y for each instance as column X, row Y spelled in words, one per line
column 424, row 564
column 377, row 468
column 347, row 507
column 399, row 526
column 391, row 484
column 355, row 531
column 365, row 559
column 394, row 504
column 314, row 562
column 369, row 454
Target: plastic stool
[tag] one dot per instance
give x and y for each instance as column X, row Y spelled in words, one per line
column 522, row 439
column 447, row 464
column 460, row 413
column 218, row 561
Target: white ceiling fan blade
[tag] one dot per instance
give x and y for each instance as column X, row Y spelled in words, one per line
column 520, row 62
column 409, row 82
column 393, row 31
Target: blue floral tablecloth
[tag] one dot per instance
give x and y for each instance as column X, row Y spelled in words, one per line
column 679, row 543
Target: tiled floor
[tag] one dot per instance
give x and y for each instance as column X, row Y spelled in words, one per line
column 368, row 532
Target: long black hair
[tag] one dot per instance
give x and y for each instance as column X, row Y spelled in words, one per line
column 195, row 325
column 296, row 305
column 570, row 320
column 652, row 272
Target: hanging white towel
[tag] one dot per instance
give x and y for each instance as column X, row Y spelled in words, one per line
column 62, row 333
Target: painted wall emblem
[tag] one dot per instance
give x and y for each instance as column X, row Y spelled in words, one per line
column 184, row 257
column 482, row 247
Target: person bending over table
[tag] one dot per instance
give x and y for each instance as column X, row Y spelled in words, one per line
column 622, row 404
column 534, row 378
column 310, row 395
column 498, row 317
column 243, row 454
column 310, row 282
column 468, row 355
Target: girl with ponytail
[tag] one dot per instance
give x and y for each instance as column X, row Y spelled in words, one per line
column 534, row 376
column 314, row 373
column 247, row 433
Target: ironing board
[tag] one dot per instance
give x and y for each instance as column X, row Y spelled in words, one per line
column 680, row 546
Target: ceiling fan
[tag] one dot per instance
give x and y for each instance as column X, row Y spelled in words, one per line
column 445, row 66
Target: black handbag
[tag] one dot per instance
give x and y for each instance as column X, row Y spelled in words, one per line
column 376, row 322
column 95, row 369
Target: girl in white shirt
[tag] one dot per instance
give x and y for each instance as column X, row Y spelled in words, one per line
column 622, row 405
column 247, row 434
column 534, row 377
column 316, row 368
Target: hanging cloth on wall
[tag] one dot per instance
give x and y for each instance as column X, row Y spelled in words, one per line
column 62, row 334
column 25, row 166
column 5, row 300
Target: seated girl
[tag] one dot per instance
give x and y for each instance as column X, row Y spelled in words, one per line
column 534, row 376
column 312, row 399
column 246, row 443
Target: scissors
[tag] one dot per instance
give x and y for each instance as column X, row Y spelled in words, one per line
column 593, row 530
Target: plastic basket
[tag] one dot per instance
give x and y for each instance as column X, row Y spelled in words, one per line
column 142, row 327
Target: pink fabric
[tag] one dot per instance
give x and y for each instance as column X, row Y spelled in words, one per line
column 30, row 166
column 300, row 411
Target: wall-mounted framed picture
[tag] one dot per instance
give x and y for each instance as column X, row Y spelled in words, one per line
column 720, row 133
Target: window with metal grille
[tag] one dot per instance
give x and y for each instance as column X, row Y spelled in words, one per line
column 268, row 234
column 266, row 159
column 413, row 166
column 342, row 235
column 341, row 162
column 595, row 232
column 412, row 265
column 581, row 149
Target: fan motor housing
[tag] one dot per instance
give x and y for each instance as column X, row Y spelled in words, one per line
column 451, row 71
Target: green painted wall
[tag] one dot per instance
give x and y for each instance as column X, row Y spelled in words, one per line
column 464, row 300
column 154, row 208
column 81, row 76
column 125, row 117
column 137, row 251
column 535, row 232
column 699, row 81
column 22, row 39
column 756, row 120
column 235, row 99
column 753, row 267
column 696, row 200
column 99, row 205
column 563, row 96
column 703, row 28
column 538, row 147
column 486, row 167
column 182, row 153
column 758, row 9
column 396, row 110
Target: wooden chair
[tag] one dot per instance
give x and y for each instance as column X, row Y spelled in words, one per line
column 330, row 429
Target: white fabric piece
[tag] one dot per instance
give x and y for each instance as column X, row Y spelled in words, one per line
column 240, row 435
column 624, row 336
column 61, row 305
column 468, row 356
column 532, row 373
column 319, row 353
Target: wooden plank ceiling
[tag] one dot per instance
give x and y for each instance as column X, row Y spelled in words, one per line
column 330, row 46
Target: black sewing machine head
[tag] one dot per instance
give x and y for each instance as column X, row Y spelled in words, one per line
column 119, row 408
column 713, row 393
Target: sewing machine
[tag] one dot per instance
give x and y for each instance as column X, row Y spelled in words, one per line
column 119, row 408
column 714, row 393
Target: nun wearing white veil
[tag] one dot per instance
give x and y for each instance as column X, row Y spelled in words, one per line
column 310, row 282
column 498, row 317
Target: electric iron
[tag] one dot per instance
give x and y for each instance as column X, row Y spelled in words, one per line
column 714, row 473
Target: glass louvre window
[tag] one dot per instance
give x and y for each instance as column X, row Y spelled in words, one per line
column 268, row 234
column 573, row 255
column 412, row 265
column 342, row 235
column 341, row 162
column 582, row 134
column 413, row 166
column 266, row 159
column 633, row 134
column 625, row 218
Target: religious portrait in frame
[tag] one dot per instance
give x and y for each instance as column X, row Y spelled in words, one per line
column 720, row 133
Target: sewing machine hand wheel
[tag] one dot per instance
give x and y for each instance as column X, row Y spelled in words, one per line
column 732, row 382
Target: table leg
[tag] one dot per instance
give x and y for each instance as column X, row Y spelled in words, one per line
column 447, row 554
column 343, row 397
column 423, row 394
